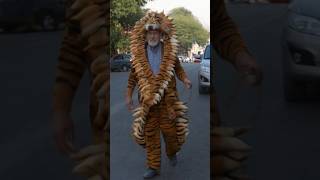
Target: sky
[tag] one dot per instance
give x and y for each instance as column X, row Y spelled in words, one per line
column 199, row 8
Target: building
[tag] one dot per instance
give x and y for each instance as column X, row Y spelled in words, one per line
column 195, row 49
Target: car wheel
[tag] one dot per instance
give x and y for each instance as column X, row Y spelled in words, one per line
column 202, row 90
column 293, row 89
column 124, row 68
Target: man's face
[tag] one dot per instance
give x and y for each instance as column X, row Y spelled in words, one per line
column 153, row 37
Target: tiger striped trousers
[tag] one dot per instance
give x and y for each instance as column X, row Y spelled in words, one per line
column 159, row 121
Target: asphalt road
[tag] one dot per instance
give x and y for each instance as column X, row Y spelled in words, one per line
column 128, row 158
column 284, row 135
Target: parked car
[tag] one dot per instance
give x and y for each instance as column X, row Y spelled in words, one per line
column 197, row 58
column 184, row 59
column 187, row 60
column 47, row 14
column 181, row 59
column 301, row 47
column 204, row 72
column 121, row 62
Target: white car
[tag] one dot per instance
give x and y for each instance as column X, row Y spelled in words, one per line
column 301, row 47
column 204, row 72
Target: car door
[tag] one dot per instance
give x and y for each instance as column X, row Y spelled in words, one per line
column 113, row 63
column 118, row 62
column 127, row 60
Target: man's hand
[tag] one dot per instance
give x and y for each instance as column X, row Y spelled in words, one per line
column 187, row 83
column 63, row 132
column 129, row 102
column 247, row 66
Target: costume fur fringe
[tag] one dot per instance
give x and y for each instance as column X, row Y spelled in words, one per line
column 152, row 87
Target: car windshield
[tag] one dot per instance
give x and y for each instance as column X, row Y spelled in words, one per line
column 207, row 53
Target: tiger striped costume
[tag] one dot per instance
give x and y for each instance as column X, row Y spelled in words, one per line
column 84, row 47
column 227, row 151
column 157, row 93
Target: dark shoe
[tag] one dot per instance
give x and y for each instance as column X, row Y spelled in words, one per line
column 150, row 173
column 173, row 160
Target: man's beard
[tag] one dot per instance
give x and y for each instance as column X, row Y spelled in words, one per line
column 153, row 43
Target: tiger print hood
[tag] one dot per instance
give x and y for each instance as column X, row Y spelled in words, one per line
column 152, row 86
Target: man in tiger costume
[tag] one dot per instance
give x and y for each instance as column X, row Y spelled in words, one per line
column 154, row 66
column 230, row 46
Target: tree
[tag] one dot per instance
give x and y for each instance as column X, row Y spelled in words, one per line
column 124, row 14
column 189, row 29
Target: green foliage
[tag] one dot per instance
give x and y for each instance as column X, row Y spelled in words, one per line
column 189, row 29
column 124, row 14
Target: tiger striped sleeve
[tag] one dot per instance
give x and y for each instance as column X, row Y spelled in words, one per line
column 132, row 82
column 70, row 69
column 226, row 37
column 181, row 74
